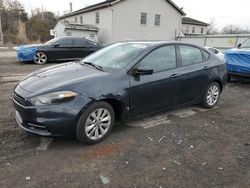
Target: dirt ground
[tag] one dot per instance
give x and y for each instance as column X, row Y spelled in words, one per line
column 188, row 147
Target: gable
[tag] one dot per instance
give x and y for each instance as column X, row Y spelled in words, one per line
column 108, row 3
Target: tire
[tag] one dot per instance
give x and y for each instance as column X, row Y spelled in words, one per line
column 212, row 95
column 90, row 127
column 40, row 58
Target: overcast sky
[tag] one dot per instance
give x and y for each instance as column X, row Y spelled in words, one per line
column 224, row 12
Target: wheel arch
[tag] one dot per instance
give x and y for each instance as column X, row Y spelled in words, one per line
column 118, row 107
column 219, row 82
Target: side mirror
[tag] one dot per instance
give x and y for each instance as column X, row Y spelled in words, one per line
column 143, row 71
column 56, row 45
column 239, row 45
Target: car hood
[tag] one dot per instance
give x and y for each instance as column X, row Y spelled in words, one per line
column 57, row 76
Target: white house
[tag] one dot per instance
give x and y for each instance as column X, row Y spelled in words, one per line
column 191, row 26
column 65, row 28
column 120, row 20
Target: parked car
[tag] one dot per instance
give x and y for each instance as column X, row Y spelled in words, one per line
column 119, row 82
column 217, row 52
column 238, row 60
column 57, row 49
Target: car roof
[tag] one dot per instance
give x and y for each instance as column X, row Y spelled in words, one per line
column 70, row 37
column 153, row 43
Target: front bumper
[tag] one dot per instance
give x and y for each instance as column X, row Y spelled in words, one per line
column 50, row 120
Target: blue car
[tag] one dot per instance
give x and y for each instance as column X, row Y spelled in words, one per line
column 57, row 49
column 238, row 60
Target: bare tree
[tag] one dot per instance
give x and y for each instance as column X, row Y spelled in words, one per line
column 234, row 29
column 212, row 30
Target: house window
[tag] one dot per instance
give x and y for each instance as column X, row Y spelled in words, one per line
column 97, row 17
column 81, row 20
column 193, row 30
column 187, row 30
column 76, row 19
column 157, row 20
column 143, row 18
column 92, row 36
column 202, row 30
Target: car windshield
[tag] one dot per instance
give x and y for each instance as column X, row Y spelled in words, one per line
column 52, row 41
column 116, row 56
column 246, row 44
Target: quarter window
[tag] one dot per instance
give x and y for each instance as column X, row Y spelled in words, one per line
column 161, row 59
column 157, row 20
column 190, row 55
column 97, row 17
column 144, row 18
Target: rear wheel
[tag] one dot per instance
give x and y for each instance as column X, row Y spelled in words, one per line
column 95, row 123
column 40, row 58
column 212, row 95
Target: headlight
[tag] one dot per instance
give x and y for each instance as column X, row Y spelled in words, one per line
column 53, row 98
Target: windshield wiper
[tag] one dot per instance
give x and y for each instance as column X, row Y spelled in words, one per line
column 94, row 65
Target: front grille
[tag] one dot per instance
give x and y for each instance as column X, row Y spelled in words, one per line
column 19, row 99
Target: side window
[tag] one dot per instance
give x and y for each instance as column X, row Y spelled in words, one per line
column 80, row 42
column 190, row 55
column 66, row 42
column 97, row 17
column 161, row 59
column 213, row 50
column 157, row 20
column 144, row 18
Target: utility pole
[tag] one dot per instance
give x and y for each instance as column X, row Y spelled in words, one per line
column 1, row 29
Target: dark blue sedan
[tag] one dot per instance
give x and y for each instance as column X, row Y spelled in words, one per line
column 57, row 49
column 119, row 82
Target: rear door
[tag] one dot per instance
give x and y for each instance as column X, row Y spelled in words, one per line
column 82, row 47
column 194, row 73
column 149, row 93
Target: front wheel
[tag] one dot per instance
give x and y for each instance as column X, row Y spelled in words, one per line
column 211, row 96
column 95, row 123
column 40, row 58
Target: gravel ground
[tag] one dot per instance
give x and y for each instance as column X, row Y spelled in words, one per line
column 188, row 147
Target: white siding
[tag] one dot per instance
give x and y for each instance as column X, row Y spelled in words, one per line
column 59, row 28
column 197, row 29
column 80, row 33
column 127, row 17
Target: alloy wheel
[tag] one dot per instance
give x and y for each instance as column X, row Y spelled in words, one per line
column 98, row 124
column 40, row 58
column 213, row 95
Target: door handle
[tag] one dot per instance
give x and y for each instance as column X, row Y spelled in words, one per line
column 206, row 67
column 175, row 75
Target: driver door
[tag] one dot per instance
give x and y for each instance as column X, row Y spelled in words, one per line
column 151, row 93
